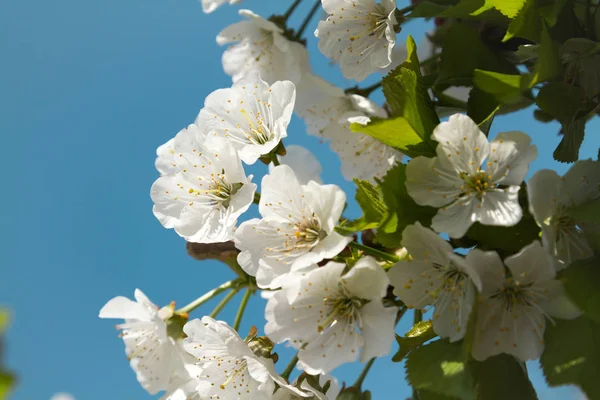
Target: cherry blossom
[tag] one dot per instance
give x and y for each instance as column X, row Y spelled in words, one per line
column 360, row 35
column 296, row 229
column 435, row 276
column 304, row 164
column 203, row 200
column 260, row 45
column 331, row 316
column 251, row 115
column 511, row 318
column 155, row 357
column 551, row 198
column 471, row 180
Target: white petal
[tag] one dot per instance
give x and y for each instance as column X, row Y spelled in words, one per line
column 462, row 145
column 366, row 280
column 425, row 244
column 378, row 326
column 544, row 189
column 123, row 308
column 489, row 268
column 531, row 264
column 335, row 346
column 303, row 162
column 510, row 156
column 414, row 283
column 500, row 207
column 429, row 183
column 457, row 218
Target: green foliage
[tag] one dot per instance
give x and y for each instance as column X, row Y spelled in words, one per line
column 504, row 88
column 402, row 209
column 463, row 52
column 398, row 133
column 572, row 355
column 442, row 368
column 581, row 281
column 407, row 96
column 7, row 379
column 370, row 200
column 420, row 333
column 567, row 104
column 502, row 377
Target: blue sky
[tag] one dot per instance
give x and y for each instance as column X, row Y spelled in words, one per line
column 89, row 90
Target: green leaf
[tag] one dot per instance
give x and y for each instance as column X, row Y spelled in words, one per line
column 398, row 133
column 502, row 377
column 527, row 24
column 4, row 320
column 572, row 355
column 581, row 281
column 463, row 52
column 425, row 395
column 587, row 212
column 482, row 107
column 427, row 9
column 567, row 104
column 548, row 65
column 402, row 209
column 597, row 22
column 509, row 239
column 408, row 97
column 504, row 88
column 7, row 381
column 370, row 200
column 420, row 333
column 551, row 11
column 510, row 8
column 441, row 367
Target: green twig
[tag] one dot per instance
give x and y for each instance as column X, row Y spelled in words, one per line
column 363, row 374
column 275, row 160
column 224, row 302
column 291, row 9
column 207, row 296
column 256, row 197
column 374, row 252
column 406, row 9
column 311, row 14
column 290, row 367
column 364, row 92
column 241, row 309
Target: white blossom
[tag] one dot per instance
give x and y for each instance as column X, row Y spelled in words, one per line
column 511, row 317
column 304, row 164
column 307, row 385
column 203, row 200
column 165, row 158
column 333, row 314
column 362, row 156
column 155, row 357
column 551, row 198
column 226, row 368
column 260, row 45
column 471, row 180
column 328, row 113
column 209, row 6
column 435, row 276
column 359, row 35
column 296, row 229
column 251, row 115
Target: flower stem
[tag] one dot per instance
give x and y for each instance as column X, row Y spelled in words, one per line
column 290, row 367
column 374, row 252
column 364, row 92
column 311, row 14
column 275, row 160
column 418, row 316
column 207, row 296
column 400, row 314
column 256, row 198
column 224, row 302
column 241, row 309
column 291, row 9
column 364, row 373
column 406, row 9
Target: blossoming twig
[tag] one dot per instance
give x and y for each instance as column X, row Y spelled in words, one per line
column 240, row 312
column 207, row 296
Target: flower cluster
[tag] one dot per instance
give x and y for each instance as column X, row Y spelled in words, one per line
column 333, row 297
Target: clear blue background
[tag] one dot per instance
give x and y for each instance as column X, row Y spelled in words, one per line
column 88, row 90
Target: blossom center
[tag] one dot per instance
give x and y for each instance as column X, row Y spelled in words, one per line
column 477, row 184
column 258, row 132
column 514, row 295
column 343, row 308
column 309, row 232
column 376, row 22
column 453, row 279
column 220, row 191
